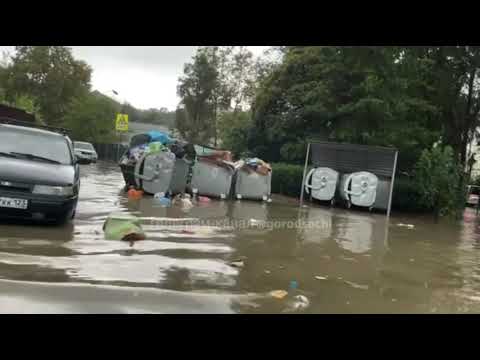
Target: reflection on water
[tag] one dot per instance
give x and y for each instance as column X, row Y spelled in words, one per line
column 227, row 256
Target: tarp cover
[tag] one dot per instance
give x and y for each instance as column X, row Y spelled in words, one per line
column 160, row 137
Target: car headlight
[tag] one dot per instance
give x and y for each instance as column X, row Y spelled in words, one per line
column 53, row 190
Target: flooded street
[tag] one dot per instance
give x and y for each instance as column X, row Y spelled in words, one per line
column 341, row 262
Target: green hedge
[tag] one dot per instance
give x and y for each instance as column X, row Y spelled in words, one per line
column 287, row 180
column 406, row 196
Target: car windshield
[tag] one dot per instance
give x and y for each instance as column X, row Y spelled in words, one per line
column 42, row 145
column 83, row 145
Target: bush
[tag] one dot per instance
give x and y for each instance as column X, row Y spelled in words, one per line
column 406, row 195
column 287, row 179
column 441, row 181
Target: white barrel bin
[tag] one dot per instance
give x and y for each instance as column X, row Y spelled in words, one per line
column 359, row 188
column 322, row 183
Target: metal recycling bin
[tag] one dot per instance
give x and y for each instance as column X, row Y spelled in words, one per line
column 322, row 183
column 359, row 188
column 249, row 184
column 212, row 179
column 153, row 172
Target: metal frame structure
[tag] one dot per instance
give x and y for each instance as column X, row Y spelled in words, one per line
column 381, row 161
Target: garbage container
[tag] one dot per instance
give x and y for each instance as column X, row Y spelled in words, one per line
column 322, row 182
column 212, row 178
column 153, row 172
column 359, row 189
column 249, row 184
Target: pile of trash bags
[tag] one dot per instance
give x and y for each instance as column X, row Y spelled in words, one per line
column 154, row 141
column 257, row 165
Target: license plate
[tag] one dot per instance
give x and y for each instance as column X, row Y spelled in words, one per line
column 6, row 202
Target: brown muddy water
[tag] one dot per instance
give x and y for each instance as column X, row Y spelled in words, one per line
column 340, row 261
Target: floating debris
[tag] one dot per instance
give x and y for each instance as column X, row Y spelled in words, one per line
column 237, row 263
column 409, row 226
column 356, row 286
column 293, row 285
column 123, row 227
column 321, row 277
column 301, row 303
column 278, row 294
column 348, row 259
column 267, row 272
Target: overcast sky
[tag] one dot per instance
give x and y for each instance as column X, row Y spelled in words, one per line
column 145, row 76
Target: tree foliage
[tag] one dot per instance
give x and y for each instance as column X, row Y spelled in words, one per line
column 441, row 181
column 219, row 80
column 49, row 74
column 91, row 118
column 406, row 97
column 233, row 128
column 194, row 116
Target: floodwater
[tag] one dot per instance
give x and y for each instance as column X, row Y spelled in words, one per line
column 340, row 261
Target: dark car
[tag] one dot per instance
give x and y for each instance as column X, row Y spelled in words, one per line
column 39, row 175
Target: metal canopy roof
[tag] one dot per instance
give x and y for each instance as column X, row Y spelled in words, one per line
column 350, row 157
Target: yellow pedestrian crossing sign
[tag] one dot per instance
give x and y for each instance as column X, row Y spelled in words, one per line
column 121, row 123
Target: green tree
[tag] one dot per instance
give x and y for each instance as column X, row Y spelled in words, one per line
column 195, row 114
column 92, row 118
column 234, row 127
column 49, row 74
column 364, row 95
column 441, row 181
column 455, row 90
column 232, row 81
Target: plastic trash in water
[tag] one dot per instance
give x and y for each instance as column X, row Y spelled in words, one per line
column 186, row 202
column 293, row 285
column 134, row 194
column 321, row 277
column 204, row 199
column 278, row 294
column 160, row 199
column 301, row 302
column 409, row 226
column 123, row 227
column 237, row 263
column 297, row 303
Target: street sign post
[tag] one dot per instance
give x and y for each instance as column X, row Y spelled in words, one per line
column 121, row 125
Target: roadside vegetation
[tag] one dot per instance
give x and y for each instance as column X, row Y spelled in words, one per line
column 50, row 83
